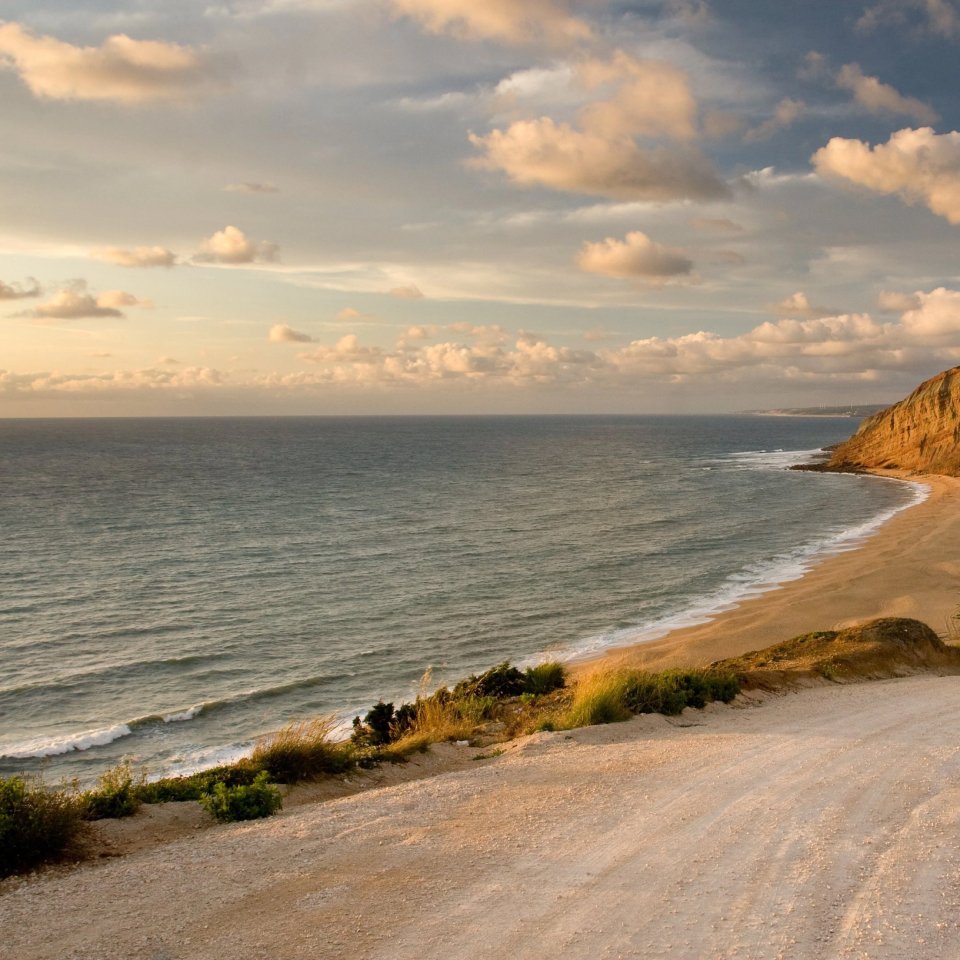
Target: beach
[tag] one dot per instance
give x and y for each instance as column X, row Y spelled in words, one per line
column 909, row 568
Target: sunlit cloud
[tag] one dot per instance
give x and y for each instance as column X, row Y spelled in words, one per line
column 138, row 257
column 880, row 97
column 75, row 303
column 636, row 257
column 935, row 16
column 919, row 166
column 890, row 301
column 797, row 305
column 281, row 333
column 410, row 292
column 121, row 69
column 231, row 245
column 532, row 21
column 17, row 291
column 785, row 115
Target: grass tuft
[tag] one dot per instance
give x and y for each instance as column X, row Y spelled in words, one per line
column 302, row 751
column 117, row 794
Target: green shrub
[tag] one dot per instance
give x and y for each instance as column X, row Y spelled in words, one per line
column 545, row 678
column 245, row 802
column 192, row 787
column 116, row 794
column 500, row 681
column 36, row 825
column 670, row 691
column 302, row 751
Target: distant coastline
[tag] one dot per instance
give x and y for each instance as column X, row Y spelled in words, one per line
column 855, row 412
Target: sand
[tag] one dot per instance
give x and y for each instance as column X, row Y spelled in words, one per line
column 909, row 568
column 820, row 824
column 815, row 824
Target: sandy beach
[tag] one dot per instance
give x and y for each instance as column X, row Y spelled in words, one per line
column 909, row 568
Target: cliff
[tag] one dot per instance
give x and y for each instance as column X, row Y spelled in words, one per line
column 920, row 433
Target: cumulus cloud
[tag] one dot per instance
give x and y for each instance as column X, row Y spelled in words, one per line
column 75, row 303
column 411, row 292
column 231, row 245
column 919, row 166
column 121, row 69
column 880, row 97
column 632, row 100
column 251, row 187
column 281, row 333
column 935, row 16
column 532, row 21
column 138, row 257
column 889, row 301
column 797, row 305
column 636, row 257
column 17, row 291
column 934, row 315
column 785, row 115
column 546, row 153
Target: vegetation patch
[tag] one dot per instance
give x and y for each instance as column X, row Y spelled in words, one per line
column 302, row 751
column 243, row 802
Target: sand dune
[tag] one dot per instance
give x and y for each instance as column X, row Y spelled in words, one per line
column 817, row 824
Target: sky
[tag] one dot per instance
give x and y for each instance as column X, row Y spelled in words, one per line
column 475, row 206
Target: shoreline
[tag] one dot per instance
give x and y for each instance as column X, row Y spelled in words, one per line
column 898, row 571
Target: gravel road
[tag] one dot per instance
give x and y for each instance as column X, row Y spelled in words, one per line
column 821, row 824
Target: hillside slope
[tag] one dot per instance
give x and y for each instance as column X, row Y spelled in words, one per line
column 920, row 433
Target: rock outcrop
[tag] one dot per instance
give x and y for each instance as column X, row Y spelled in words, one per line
column 920, row 433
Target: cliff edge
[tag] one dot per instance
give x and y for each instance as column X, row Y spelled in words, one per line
column 920, row 433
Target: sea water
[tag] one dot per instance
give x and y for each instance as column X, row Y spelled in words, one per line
column 171, row 589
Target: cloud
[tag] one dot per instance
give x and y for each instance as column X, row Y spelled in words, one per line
column 880, row 97
column 231, row 245
column 919, row 166
column 599, row 154
column 543, row 152
column 934, row 315
column 532, row 21
column 889, row 301
column 281, row 333
column 250, row 187
column 16, row 291
column 138, row 257
column 75, row 303
column 121, row 69
column 411, row 292
column 636, row 257
column 715, row 225
column 786, row 114
column 935, row 16
column 797, row 305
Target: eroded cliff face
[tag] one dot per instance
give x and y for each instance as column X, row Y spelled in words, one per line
column 920, row 433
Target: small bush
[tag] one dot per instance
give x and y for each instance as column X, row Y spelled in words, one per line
column 192, row 787
column 116, row 794
column 600, row 698
column 36, row 825
column 500, row 681
column 302, row 751
column 544, row 678
column 246, row 802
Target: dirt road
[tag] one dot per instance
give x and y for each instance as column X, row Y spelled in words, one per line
column 823, row 824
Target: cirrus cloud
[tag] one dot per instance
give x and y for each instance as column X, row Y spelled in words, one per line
column 121, row 69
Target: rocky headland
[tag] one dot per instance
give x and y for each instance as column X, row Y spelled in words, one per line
column 920, row 434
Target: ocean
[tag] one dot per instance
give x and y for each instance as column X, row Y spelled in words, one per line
column 171, row 589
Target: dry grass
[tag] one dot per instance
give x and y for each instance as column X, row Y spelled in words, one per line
column 302, row 751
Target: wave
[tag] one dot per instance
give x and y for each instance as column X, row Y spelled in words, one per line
column 55, row 746
column 751, row 581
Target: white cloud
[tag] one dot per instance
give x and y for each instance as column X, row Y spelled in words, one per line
column 889, row 301
column 629, row 99
column 916, row 165
column 281, row 333
column 138, row 257
column 556, row 155
column 231, row 245
column 17, row 291
column 636, row 257
column 785, row 115
column 935, row 314
column 75, row 303
column 121, row 69
column 532, row 21
column 880, row 97
column 797, row 305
